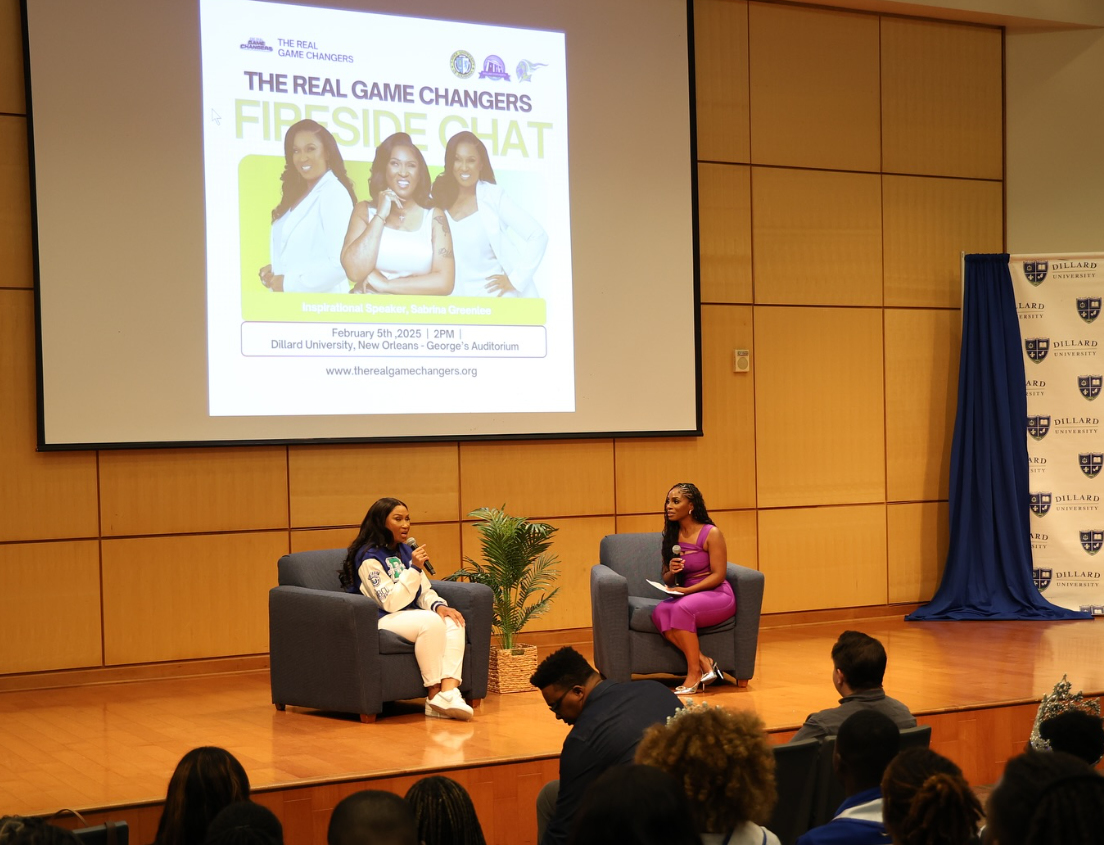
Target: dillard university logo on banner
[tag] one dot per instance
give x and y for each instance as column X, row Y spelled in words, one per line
column 1035, row 271
column 1040, row 503
column 1089, row 385
column 1042, row 577
column 1091, row 463
column 1088, row 308
column 1038, row 426
column 1092, row 540
column 1037, row 348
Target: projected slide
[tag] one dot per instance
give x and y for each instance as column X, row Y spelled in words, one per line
column 387, row 214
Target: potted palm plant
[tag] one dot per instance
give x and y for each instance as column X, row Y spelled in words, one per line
column 521, row 573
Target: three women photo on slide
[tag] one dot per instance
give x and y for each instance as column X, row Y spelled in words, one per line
column 460, row 235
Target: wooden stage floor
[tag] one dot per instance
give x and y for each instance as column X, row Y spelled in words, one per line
column 113, row 746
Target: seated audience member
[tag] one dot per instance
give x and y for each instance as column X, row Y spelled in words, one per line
column 28, row 830
column 927, row 801
column 866, row 743
column 206, row 780
column 245, row 823
column 444, row 813
column 725, row 766
column 1075, row 732
column 607, row 721
column 372, row 817
column 634, row 805
column 859, row 663
column 1043, row 798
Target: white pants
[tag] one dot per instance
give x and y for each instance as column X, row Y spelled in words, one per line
column 438, row 643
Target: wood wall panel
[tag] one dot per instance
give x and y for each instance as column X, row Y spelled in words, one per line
column 15, row 203
column 51, row 606
column 441, row 538
column 817, row 237
column 721, row 79
column 739, row 527
column 177, row 598
column 814, row 81
column 576, row 545
column 12, row 95
column 918, row 538
column 724, row 224
column 167, row 491
column 43, row 495
column 942, row 99
column 921, row 381
column 721, row 462
column 335, row 485
column 538, row 478
column 823, row 557
column 819, row 408
column 928, row 224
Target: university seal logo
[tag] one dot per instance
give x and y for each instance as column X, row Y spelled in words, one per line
column 1038, row 427
column 494, row 68
column 1035, row 271
column 1092, row 540
column 462, row 63
column 1040, row 503
column 1090, row 463
column 1041, row 577
column 1088, row 308
column 1089, row 385
column 1037, row 348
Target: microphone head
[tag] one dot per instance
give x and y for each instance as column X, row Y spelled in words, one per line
column 410, row 541
column 676, row 550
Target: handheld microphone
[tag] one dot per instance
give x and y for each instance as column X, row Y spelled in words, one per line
column 410, row 541
column 676, row 550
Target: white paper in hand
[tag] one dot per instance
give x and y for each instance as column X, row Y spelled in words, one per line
column 663, row 588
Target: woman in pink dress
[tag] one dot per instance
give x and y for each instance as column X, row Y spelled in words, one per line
column 697, row 572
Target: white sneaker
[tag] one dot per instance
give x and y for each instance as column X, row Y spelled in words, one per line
column 450, row 705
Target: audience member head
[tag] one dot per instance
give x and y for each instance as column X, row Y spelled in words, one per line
column 28, row 830
column 564, row 680
column 372, row 817
column 1046, row 797
column 859, row 661
column 722, row 760
column 206, row 780
column 444, row 813
column 245, row 823
column 1075, row 732
column 633, row 805
column 927, row 801
column 866, row 743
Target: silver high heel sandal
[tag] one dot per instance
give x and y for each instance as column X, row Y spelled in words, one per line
column 700, row 685
column 714, row 674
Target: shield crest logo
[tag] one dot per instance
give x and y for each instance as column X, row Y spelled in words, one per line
column 1035, row 271
column 1037, row 348
column 1041, row 577
column 1089, row 385
column 1088, row 308
column 1090, row 463
column 1038, row 426
column 1040, row 503
column 1092, row 540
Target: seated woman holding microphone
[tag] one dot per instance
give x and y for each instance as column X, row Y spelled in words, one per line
column 695, row 562
column 383, row 566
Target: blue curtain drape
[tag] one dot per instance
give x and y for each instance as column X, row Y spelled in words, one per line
column 988, row 573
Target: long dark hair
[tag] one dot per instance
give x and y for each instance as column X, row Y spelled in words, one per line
column 373, row 532
column 697, row 511
column 206, row 780
column 444, row 812
column 1043, row 797
column 377, row 182
column 445, row 188
column 294, row 186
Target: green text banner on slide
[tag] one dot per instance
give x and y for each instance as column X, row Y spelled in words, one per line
column 1058, row 300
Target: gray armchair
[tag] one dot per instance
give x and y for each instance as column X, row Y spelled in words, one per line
column 327, row 651
column 621, row 602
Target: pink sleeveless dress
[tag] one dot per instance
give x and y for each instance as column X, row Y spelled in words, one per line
column 697, row 610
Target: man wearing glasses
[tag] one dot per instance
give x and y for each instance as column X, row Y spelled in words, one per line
column 607, row 721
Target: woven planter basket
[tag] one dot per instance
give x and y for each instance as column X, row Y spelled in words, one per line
column 511, row 669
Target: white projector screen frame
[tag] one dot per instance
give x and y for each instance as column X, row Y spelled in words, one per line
column 129, row 332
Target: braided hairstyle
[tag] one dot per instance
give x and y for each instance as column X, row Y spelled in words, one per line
column 697, row 511
column 444, row 813
column 927, row 801
column 1047, row 797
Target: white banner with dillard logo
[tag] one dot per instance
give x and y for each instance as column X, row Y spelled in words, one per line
column 1058, row 299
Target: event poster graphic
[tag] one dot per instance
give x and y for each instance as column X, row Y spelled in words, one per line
column 289, row 333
